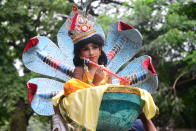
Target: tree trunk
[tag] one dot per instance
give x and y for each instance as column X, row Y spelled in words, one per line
column 18, row 120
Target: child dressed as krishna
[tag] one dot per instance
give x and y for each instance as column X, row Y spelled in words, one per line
column 88, row 100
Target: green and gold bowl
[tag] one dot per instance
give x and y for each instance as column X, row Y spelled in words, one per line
column 119, row 109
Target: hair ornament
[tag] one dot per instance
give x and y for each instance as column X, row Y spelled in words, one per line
column 81, row 25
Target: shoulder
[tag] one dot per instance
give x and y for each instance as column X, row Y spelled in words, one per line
column 78, row 72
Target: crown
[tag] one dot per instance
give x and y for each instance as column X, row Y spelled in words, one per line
column 81, row 25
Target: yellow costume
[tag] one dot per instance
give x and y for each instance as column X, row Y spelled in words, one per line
column 87, row 78
column 72, row 86
column 81, row 107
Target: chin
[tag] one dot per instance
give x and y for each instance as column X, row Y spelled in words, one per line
column 95, row 61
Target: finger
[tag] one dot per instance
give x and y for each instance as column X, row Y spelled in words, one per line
column 101, row 67
column 99, row 70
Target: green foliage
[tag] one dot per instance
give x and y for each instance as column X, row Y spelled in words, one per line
column 190, row 59
column 170, row 107
column 168, row 28
column 190, row 106
column 105, row 22
column 35, row 125
column 20, row 20
column 142, row 10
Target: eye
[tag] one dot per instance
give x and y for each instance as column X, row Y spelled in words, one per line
column 95, row 46
column 84, row 49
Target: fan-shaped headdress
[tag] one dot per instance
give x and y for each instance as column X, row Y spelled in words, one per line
column 82, row 25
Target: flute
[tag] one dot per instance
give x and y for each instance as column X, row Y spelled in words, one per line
column 86, row 60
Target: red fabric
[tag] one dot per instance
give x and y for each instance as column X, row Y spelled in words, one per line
column 148, row 65
column 31, row 43
column 123, row 26
column 72, row 27
column 32, row 88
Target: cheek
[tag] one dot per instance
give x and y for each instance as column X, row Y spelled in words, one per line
column 84, row 54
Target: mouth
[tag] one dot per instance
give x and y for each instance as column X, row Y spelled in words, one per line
column 92, row 57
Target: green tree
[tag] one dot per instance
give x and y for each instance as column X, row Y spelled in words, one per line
column 168, row 28
column 21, row 20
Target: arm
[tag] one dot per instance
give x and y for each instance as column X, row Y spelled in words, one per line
column 98, row 77
column 78, row 73
column 148, row 124
column 109, row 78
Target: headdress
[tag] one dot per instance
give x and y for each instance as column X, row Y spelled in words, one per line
column 82, row 25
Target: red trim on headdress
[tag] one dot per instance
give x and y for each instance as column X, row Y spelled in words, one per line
column 32, row 88
column 74, row 8
column 123, row 26
column 148, row 65
column 31, row 43
column 72, row 27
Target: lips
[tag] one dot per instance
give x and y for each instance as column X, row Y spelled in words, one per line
column 92, row 58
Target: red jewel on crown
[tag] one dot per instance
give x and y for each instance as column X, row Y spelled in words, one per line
column 85, row 28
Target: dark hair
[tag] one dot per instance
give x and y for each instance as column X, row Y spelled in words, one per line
column 95, row 39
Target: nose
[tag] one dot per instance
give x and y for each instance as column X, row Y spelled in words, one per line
column 91, row 51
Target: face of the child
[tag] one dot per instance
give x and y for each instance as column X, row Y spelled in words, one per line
column 91, row 51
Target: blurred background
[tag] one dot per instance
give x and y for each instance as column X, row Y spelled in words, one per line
column 169, row 31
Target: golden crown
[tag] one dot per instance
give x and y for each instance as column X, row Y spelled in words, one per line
column 81, row 25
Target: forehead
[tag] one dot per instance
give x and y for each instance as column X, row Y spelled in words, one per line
column 90, row 45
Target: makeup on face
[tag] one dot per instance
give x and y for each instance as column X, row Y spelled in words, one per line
column 91, row 51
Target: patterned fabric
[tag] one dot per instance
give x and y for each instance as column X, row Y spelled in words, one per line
column 82, row 107
column 70, row 125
